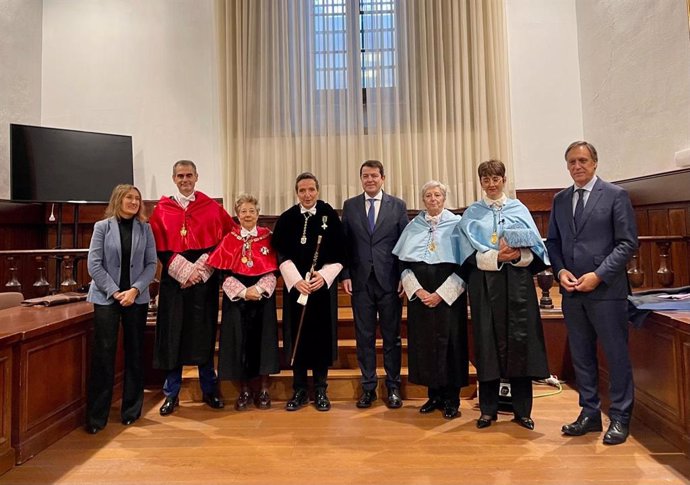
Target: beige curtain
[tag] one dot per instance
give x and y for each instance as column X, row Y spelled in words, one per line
column 428, row 96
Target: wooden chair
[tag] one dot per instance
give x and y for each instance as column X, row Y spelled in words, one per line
column 10, row 299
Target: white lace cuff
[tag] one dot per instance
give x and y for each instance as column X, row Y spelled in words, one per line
column 204, row 269
column 410, row 284
column 266, row 285
column 234, row 289
column 526, row 258
column 451, row 289
column 488, row 260
column 180, row 269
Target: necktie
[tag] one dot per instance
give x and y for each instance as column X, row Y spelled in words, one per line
column 579, row 208
column 371, row 214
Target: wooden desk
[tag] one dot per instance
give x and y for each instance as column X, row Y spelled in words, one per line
column 660, row 355
column 43, row 369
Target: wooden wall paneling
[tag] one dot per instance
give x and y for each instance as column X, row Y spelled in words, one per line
column 557, row 350
column 21, row 226
column 658, row 226
column 52, row 383
column 658, row 222
column 685, row 379
column 659, row 351
column 679, row 250
column 7, row 455
column 642, row 221
column 655, row 357
column 537, row 200
column 645, row 251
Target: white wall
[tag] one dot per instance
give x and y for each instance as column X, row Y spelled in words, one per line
column 20, row 74
column 635, row 71
column 546, row 109
column 143, row 68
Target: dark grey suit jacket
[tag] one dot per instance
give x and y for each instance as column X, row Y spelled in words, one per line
column 604, row 244
column 366, row 250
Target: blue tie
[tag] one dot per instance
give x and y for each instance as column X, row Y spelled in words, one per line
column 579, row 208
column 371, row 214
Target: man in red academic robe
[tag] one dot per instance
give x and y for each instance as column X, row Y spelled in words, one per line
column 187, row 226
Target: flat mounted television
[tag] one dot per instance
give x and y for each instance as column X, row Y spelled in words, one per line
column 58, row 165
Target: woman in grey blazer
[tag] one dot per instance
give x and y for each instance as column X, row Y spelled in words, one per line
column 122, row 264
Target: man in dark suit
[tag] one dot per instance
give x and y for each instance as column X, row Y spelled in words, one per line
column 373, row 222
column 592, row 236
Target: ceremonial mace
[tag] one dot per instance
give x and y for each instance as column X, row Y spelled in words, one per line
column 304, row 308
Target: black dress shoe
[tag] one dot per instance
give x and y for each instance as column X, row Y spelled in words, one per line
column 299, row 400
column 484, row 420
column 321, row 401
column 243, row 401
column 169, row 405
column 212, row 400
column 582, row 425
column 525, row 422
column 394, row 400
column 366, row 399
column 263, row 400
column 450, row 410
column 617, row 433
column 128, row 421
column 431, row 405
column 91, row 429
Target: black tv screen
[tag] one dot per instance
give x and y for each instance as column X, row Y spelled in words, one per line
column 57, row 165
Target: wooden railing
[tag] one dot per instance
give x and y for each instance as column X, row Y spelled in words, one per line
column 660, row 265
column 64, row 276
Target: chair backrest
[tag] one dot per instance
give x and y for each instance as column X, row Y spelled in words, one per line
column 10, row 299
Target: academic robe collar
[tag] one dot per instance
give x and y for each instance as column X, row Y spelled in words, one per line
column 249, row 256
column 423, row 242
column 477, row 227
column 201, row 225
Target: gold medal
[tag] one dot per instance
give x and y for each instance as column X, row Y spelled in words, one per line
column 244, row 259
column 432, row 246
column 494, row 238
column 183, row 231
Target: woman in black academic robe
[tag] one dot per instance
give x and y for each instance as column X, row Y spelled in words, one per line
column 437, row 306
column 295, row 238
column 249, row 330
column 502, row 249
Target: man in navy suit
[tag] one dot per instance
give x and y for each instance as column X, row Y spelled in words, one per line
column 373, row 222
column 592, row 236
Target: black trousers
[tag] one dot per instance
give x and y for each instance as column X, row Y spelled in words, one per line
column 300, row 382
column 520, row 390
column 107, row 320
